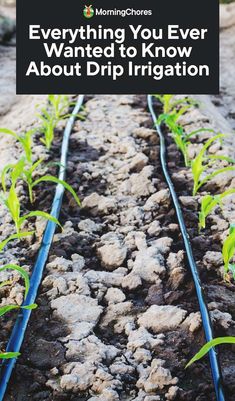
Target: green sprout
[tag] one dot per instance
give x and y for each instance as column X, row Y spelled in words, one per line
column 12, row 203
column 21, row 170
column 170, row 116
column 59, row 105
column 8, row 308
column 169, row 104
column 48, row 127
column 228, row 251
column 203, row 161
column 208, row 203
column 25, row 140
column 57, row 110
column 177, row 131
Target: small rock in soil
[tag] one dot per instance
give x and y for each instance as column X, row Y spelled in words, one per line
column 113, row 253
column 114, row 296
column 162, row 318
column 148, row 266
column 155, row 376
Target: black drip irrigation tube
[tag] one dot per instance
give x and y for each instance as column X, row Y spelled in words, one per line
column 214, row 361
column 19, row 329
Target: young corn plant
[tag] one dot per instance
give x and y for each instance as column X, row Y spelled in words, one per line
column 59, row 105
column 172, row 111
column 7, row 308
column 57, row 110
column 22, row 170
column 228, row 251
column 177, row 131
column 169, row 104
column 208, row 203
column 24, row 139
column 202, row 162
column 48, row 125
column 12, row 204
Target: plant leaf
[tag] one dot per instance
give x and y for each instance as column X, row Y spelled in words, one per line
column 38, row 213
column 8, row 308
column 228, row 248
column 214, row 174
column 13, row 205
column 9, row 355
column 15, row 236
column 207, row 347
column 58, row 181
column 198, row 131
column 5, row 170
column 221, row 157
column 9, row 132
column 22, row 272
column 29, row 307
column 4, row 283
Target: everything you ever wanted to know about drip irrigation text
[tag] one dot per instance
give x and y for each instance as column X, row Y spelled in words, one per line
column 115, row 52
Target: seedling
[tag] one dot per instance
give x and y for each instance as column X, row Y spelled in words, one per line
column 208, row 203
column 22, row 170
column 208, row 346
column 58, row 107
column 12, row 203
column 170, row 116
column 25, row 140
column 7, row 308
column 228, row 251
column 48, row 126
column 202, row 162
column 177, row 131
column 50, row 117
column 169, row 104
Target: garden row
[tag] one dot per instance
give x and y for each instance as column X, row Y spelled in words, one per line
column 203, row 167
column 119, row 317
column 27, row 171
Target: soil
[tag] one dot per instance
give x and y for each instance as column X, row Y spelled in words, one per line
column 118, row 317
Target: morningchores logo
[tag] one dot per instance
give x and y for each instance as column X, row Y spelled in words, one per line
column 88, row 11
